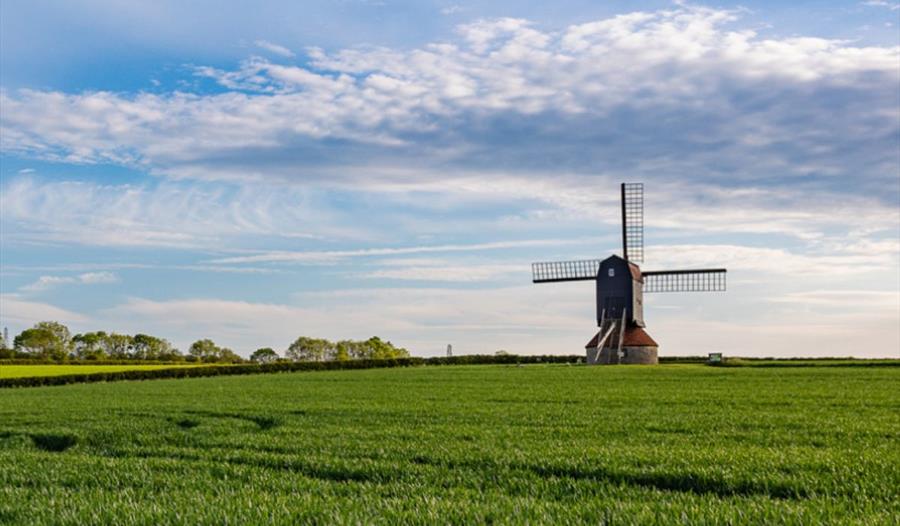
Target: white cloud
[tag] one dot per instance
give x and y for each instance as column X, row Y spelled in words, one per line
column 169, row 215
column 92, row 278
column 777, row 261
column 460, row 273
column 274, row 48
column 893, row 6
column 320, row 257
column 720, row 96
column 24, row 313
column 46, row 282
column 224, row 269
column 87, row 278
column 846, row 300
column 191, row 215
column 99, row 271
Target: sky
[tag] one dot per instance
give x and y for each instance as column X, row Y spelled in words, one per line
column 251, row 173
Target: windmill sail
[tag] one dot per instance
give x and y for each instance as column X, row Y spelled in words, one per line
column 633, row 222
column 701, row 280
column 582, row 270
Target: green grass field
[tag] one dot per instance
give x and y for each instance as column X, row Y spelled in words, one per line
column 25, row 371
column 674, row 444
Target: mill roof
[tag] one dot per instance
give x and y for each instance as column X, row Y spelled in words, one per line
column 638, row 337
column 635, row 272
column 634, row 337
column 634, row 269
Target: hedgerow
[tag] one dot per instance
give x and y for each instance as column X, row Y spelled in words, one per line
column 277, row 367
column 33, row 361
column 284, row 366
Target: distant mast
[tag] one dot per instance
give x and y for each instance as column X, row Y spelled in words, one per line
column 449, row 351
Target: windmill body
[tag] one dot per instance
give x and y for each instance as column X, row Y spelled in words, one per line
column 620, row 286
column 620, row 291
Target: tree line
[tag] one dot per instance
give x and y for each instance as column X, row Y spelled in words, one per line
column 305, row 349
column 52, row 341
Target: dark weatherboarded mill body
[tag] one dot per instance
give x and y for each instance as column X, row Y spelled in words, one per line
column 621, row 286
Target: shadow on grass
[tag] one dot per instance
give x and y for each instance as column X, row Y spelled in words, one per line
column 665, row 481
column 55, row 443
column 682, row 482
column 302, row 467
column 187, row 423
column 263, row 422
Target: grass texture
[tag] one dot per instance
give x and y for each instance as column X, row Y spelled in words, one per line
column 538, row 444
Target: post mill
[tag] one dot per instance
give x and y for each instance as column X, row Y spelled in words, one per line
column 621, row 285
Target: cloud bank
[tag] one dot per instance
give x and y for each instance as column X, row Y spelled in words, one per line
column 679, row 91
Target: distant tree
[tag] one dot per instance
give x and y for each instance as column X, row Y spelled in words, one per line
column 60, row 331
column 309, row 350
column 207, row 351
column 226, row 355
column 117, row 346
column 204, row 350
column 305, row 349
column 146, row 347
column 264, row 355
column 143, row 346
column 47, row 340
column 5, row 350
column 501, row 352
column 356, row 350
column 343, row 350
column 90, row 345
column 172, row 355
column 39, row 343
column 397, row 352
column 382, row 350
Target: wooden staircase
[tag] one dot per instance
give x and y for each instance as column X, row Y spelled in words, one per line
column 609, row 346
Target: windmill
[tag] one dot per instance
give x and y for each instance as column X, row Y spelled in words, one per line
column 621, row 286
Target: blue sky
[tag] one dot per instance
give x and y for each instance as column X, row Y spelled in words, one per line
column 345, row 169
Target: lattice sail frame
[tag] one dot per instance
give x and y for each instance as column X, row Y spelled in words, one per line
column 554, row 271
column 702, row 280
column 699, row 280
column 633, row 222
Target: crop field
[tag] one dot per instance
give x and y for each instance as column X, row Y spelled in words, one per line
column 27, row 371
column 553, row 444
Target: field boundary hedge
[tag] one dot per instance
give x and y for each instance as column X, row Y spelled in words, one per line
column 279, row 367
column 31, row 361
column 808, row 362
